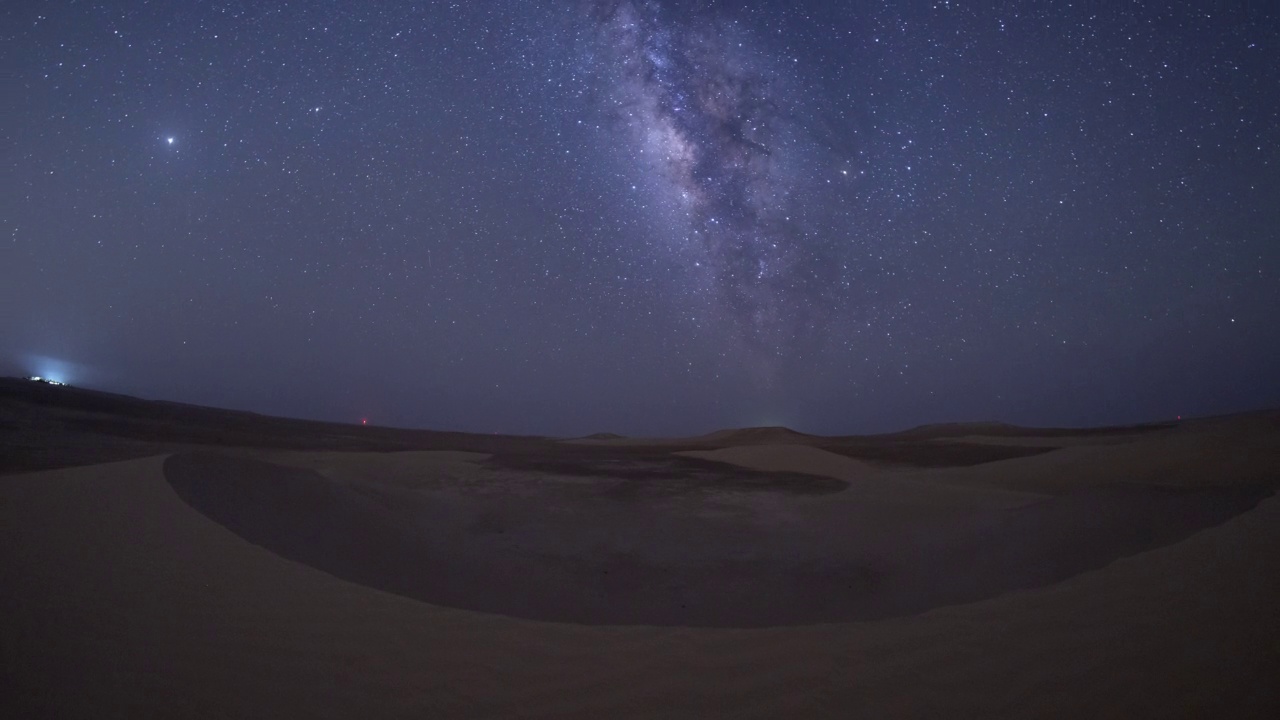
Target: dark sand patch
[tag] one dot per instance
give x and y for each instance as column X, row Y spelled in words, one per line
column 663, row 473
column 931, row 454
column 1000, row 429
column 620, row 558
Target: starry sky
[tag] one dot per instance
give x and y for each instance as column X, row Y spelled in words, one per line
column 646, row 216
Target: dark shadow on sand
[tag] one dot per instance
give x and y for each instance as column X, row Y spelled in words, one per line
column 427, row 547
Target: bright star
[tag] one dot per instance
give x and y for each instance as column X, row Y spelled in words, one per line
column 169, row 140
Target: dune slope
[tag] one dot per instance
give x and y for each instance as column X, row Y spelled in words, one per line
column 134, row 604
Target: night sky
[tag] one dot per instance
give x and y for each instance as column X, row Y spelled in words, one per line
column 646, row 216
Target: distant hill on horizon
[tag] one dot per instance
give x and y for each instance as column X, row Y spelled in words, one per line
column 197, row 423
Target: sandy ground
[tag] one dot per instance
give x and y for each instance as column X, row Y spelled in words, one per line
column 123, row 598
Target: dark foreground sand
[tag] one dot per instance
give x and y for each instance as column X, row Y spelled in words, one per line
column 218, row 582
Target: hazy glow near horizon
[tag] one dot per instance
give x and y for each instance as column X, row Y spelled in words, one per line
column 51, row 370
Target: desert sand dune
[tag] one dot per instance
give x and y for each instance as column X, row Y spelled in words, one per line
column 719, row 438
column 792, row 458
column 995, row 429
column 133, row 603
column 1133, row 575
column 887, row 488
column 1238, row 450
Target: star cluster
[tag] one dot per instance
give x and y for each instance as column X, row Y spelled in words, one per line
column 647, row 216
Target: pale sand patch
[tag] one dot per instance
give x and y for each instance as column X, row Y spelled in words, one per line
column 1239, row 450
column 894, row 485
column 633, row 442
column 1046, row 441
column 130, row 603
column 791, row 458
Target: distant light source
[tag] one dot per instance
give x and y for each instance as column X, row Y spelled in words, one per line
column 52, row 371
column 364, row 421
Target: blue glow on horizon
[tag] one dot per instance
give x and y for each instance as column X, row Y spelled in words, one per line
column 52, row 369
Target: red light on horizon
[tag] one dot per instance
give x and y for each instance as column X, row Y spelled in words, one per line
column 364, row 421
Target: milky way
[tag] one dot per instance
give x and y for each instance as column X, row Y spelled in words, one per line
column 704, row 109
